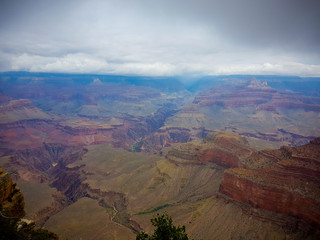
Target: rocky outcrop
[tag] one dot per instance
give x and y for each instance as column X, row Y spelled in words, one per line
column 12, row 226
column 163, row 138
column 48, row 158
column 288, row 184
column 280, row 135
column 223, row 149
column 220, row 157
column 22, row 109
column 11, row 199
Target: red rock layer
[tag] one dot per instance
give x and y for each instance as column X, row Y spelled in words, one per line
column 220, row 157
column 224, row 149
column 289, row 185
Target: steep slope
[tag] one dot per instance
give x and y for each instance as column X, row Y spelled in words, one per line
column 223, row 149
column 289, row 185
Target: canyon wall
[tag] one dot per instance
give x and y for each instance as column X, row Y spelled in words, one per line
column 289, row 185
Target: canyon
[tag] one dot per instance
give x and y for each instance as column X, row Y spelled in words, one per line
column 96, row 157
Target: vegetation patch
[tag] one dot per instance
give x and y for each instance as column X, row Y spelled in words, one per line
column 164, row 230
column 136, row 147
column 154, row 209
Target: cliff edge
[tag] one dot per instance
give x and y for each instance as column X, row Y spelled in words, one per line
column 12, row 224
column 288, row 185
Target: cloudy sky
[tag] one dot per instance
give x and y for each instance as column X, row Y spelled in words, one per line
column 161, row 37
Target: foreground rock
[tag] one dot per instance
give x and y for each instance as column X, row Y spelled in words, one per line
column 12, row 226
column 11, row 199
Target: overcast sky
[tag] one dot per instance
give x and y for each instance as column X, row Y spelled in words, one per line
column 161, row 37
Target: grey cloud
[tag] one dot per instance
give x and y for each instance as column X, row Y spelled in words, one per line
column 272, row 22
column 161, row 37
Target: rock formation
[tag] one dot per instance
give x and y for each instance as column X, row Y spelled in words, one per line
column 223, row 149
column 284, row 181
column 22, row 109
column 12, row 226
column 11, row 199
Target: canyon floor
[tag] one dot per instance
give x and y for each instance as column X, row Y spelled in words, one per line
column 96, row 157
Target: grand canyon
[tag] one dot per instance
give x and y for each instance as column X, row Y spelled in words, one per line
column 97, row 156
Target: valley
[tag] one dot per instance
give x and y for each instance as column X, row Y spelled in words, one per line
column 96, row 157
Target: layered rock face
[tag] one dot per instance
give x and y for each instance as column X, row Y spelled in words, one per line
column 257, row 94
column 22, row 109
column 288, row 183
column 165, row 137
column 255, row 110
column 223, row 149
column 284, row 181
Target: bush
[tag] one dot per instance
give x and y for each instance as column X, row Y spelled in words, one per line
column 165, row 230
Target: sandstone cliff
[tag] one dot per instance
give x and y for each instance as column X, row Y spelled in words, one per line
column 287, row 184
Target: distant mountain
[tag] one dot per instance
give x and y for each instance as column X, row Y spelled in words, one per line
column 254, row 109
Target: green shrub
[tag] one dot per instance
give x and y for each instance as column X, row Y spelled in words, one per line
column 165, row 230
